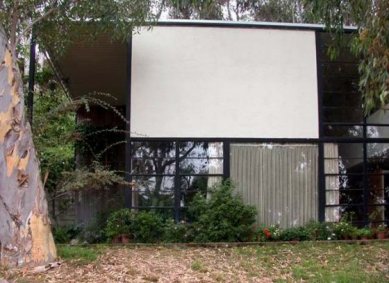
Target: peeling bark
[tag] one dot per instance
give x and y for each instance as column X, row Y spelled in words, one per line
column 25, row 232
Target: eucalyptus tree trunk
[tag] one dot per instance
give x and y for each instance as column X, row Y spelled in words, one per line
column 25, row 232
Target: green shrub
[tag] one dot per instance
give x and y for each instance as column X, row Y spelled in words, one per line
column 118, row 223
column 95, row 232
column 262, row 233
column 344, row 230
column 143, row 227
column 294, row 234
column 364, row 233
column 63, row 235
column 319, row 231
column 270, row 233
column 147, row 227
column 177, row 232
column 221, row 218
column 60, row 235
column 275, row 232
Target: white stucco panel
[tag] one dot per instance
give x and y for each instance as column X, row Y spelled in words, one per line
column 224, row 82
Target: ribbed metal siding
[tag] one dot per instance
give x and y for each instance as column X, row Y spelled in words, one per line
column 91, row 204
column 280, row 180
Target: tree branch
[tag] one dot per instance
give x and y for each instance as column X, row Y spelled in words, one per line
column 29, row 27
column 161, row 9
column 229, row 11
column 14, row 19
column 42, row 17
column 187, row 153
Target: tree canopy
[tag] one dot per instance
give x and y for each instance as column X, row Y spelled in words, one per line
column 371, row 43
column 54, row 19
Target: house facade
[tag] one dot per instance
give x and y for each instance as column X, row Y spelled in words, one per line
column 258, row 103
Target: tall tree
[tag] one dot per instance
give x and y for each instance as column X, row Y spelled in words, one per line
column 25, row 234
column 195, row 9
column 291, row 11
column 371, row 43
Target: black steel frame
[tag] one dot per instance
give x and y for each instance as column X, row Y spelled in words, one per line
column 320, row 141
column 128, row 189
column 364, row 140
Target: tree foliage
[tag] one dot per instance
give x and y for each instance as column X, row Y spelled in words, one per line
column 239, row 10
column 292, row 11
column 53, row 20
column 371, row 43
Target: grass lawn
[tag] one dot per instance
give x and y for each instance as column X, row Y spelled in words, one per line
column 302, row 262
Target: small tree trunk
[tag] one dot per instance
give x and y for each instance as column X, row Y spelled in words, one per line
column 25, row 233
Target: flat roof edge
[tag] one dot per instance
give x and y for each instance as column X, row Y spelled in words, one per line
column 241, row 24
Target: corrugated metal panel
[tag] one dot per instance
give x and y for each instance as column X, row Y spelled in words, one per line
column 91, row 204
column 280, row 180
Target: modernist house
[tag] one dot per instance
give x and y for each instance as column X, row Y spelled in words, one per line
column 259, row 103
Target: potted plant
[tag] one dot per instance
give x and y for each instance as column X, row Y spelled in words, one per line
column 344, row 230
column 364, row 233
column 354, row 233
column 381, row 231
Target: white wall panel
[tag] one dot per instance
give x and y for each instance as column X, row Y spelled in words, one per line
column 224, row 82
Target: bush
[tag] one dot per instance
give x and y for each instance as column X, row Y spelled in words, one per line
column 344, row 230
column 177, row 232
column 60, row 235
column 294, row 234
column 319, row 231
column 147, row 227
column 270, row 233
column 96, row 231
column 119, row 223
column 223, row 217
column 63, row 235
column 144, row 227
column 364, row 233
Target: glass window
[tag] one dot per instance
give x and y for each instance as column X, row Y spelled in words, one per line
column 150, row 149
column 153, row 191
column 350, row 131
column 378, row 150
column 159, row 182
column 377, row 131
column 155, row 166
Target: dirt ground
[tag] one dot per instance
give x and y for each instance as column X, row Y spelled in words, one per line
column 154, row 264
column 280, row 263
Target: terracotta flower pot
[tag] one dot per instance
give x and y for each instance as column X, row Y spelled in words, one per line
column 381, row 235
column 125, row 239
column 121, row 239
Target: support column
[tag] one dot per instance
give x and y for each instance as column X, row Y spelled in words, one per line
column 128, row 178
column 321, row 172
column 366, row 191
column 177, row 183
column 226, row 160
